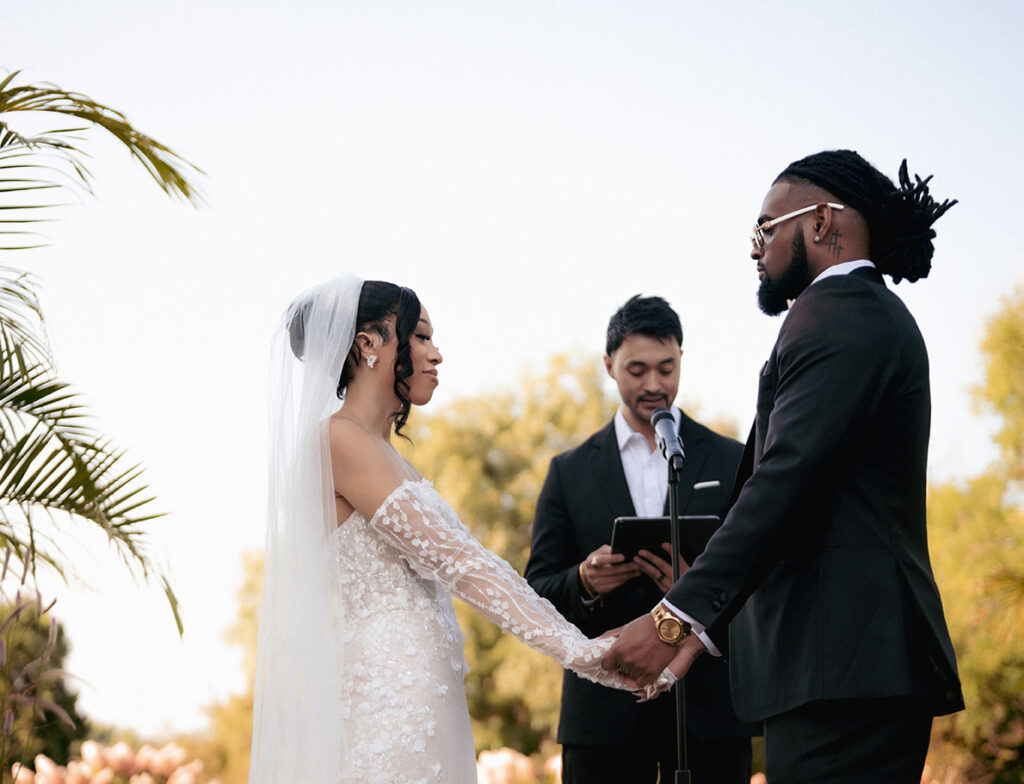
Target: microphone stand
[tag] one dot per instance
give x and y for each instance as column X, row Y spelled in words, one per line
column 675, row 465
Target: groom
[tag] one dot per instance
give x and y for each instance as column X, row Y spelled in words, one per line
column 606, row 735
column 838, row 640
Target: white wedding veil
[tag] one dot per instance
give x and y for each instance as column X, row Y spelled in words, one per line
column 297, row 712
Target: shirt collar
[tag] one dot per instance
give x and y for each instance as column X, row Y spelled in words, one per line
column 623, row 432
column 843, row 268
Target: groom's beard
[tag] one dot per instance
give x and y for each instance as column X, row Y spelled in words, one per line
column 773, row 295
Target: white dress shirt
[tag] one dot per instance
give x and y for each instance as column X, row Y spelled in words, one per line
column 646, row 470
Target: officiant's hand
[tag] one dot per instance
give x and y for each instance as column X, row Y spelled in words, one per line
column 604, row 571
column 658, row 569
column 639, row 655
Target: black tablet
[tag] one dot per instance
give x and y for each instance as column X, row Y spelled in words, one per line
column 631, row 534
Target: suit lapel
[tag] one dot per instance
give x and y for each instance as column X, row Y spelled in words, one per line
column 607, row 471
column 746, row 465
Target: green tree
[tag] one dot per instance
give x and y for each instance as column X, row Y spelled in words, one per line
column 32, row 654
column 977, row 538
column 54, row 466
column 37, row 709
column 225, row 751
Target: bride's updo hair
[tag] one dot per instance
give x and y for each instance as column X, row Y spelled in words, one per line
column 378, row 301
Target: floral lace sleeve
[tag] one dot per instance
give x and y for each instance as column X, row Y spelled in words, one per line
column 419, row 524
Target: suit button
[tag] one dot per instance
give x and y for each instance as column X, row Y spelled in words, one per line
column 716, row 606
column 723, row 597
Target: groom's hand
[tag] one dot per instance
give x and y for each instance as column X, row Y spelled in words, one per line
column 638, row 654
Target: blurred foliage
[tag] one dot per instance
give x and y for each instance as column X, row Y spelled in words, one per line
column 37, row 707
column 224, row 751
column 977, row 543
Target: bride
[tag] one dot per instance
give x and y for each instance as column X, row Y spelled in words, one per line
column 359, row 665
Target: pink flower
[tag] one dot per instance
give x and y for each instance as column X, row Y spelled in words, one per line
column 553, row 768
column 121, row 759
column 187, row 774
column 169, row 759
column 48, row 771
column 145, row 758
column 505, row 766
column 78, row 773
column 92, row 753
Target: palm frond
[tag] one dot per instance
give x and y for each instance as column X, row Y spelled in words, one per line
column 21, row 342
column 52, row 461
column 172, row 173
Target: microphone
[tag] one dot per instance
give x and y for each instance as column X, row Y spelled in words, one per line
column 668, row 438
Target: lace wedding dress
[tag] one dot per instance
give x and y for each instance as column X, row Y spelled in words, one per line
column 359, row 660
column 405, row 708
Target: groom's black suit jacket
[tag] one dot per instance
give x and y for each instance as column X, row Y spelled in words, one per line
column 822, row 563
column 584, row 492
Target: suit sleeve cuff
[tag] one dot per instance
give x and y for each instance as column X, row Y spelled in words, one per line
column 695, row 626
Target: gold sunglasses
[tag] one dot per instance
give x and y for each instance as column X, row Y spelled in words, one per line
column 757, row 238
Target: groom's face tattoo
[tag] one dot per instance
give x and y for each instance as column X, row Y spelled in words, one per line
column 646, row 371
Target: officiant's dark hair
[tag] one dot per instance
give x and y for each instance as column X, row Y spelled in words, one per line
column 379, row 300
column 899, row 219
column 650, row 316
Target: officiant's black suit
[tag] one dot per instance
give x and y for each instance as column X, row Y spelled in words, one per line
column 829, row 529
column 584, row 492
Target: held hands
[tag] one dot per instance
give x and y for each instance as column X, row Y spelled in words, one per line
column 641, row 657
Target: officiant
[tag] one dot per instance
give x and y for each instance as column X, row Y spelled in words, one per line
column 618, row 471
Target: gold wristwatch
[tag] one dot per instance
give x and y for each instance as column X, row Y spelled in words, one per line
column 670, row 629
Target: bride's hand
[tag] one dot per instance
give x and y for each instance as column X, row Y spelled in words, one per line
column 687, row 654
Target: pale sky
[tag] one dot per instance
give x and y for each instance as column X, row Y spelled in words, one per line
column 525, row 166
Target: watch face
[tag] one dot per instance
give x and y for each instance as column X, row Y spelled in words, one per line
column 669, row 629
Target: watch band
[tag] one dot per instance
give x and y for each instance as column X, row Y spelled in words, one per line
column 671, row 629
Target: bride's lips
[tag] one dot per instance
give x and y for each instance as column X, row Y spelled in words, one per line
column 432, row 374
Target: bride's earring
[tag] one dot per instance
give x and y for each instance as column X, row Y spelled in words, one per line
column 371, row 360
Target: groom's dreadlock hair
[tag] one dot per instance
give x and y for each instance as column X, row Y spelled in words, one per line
column 899, row 219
